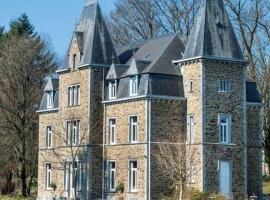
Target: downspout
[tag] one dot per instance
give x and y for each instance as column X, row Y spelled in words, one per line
column 149, row 102
column 245, row 128
column 103, row 143
column 202, row 125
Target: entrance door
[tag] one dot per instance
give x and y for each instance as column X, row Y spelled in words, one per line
column 225, row 177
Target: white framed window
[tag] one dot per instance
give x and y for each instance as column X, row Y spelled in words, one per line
column 73, row 176
column 74, row 93
column 133, row 129
column 112, row 89
column 133, row 85
column 49, row 137
column 224, row 86
column 50, row 99
column 191, row 129
column 73, row 132
column 48, row 175
column 112, row 131
column 191, row 85
column 192, row 172
column 111, row 175
column 224, row 121
column 133, row 176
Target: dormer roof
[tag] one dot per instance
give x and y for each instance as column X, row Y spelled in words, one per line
column 213, row 35
column 116, row 71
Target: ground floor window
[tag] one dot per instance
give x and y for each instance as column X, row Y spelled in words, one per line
column 48, row 175
column 133, row 176
column 73, row 176
column 111, row 175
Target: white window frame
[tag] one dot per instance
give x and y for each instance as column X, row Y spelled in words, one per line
column 191, row 86
column 48, row 175
column 111, row 173
column 112, row 129
column 131, row 178
column 191, row 129
column 49, row 137
column 50, row 97
column 68, row 176
column 112, row 89
column 224, row 138
column 133, row 86
column 224, row 86
column 74, row 95
column 73, row 132
column 133, row 135
column 192, row 173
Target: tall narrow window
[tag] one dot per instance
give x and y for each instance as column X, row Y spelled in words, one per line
column 111, row 173
column 112, row 131
column 133, row 85
column 190, row 85
column 191, row 129
column 50, row 99
column 74, row 95
column 133, row 129
column 74, row 61
column 48, row 174
column 73, row 132
column 224, row 128
column 73, row 176
column 133, row 176
column 192, row 172
column 224, row 86
column 48, row 137
column 112, row 89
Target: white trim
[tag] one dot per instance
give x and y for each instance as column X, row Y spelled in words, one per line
column 253, row 104
column 48, row 110
column 229, row 128
column 51, row 132
column 210, row 58
column 146, row 96
column 108, row 172
column 129, row 174
column 62, row 70
column 230, row 172
column 149, row 101
column 47, row 186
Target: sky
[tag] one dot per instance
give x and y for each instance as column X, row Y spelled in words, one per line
column 54, row 19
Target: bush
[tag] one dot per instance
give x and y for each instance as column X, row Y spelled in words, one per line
column 194, row 194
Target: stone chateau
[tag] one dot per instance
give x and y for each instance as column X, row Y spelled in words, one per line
column 107, row 111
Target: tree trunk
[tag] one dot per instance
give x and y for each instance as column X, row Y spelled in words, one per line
column 23, row 180
column 9, row 182
column 181, row 192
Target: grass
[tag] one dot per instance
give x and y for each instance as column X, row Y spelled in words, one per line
column 13, row 198
column 266, row 186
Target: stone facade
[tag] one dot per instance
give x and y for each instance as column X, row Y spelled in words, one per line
column 176, row 106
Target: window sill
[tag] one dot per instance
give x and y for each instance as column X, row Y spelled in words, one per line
column 73, row 106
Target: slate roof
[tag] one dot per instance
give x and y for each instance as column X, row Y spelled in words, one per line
column 213, row 35
column 253, row 95
column 51, row 85
column 93, row 38
column 145, row 57
column 116, row 71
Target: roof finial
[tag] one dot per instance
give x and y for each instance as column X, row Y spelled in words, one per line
column 89, row 2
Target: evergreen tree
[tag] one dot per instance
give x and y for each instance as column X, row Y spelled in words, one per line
column 22, row 26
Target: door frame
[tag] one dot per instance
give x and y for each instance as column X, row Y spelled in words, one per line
column 230, row 176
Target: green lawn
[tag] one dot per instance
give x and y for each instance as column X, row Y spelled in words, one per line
column 266, row 186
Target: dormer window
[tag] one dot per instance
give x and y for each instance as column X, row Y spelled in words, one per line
column 112, row 89
column 50, row 99
column 133, row 86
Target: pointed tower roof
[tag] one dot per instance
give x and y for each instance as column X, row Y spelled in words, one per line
column 213, row 35
column 93, row 38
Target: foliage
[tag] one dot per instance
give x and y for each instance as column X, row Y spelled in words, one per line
column 120, row 188
column 193, row 194
column 21, row 26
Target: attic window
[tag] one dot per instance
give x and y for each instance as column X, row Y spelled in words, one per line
column 112, row 89
column 133, row 86
column 50, row 99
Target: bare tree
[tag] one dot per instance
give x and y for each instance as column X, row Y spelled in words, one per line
column 71, row 136
column 24, row 62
